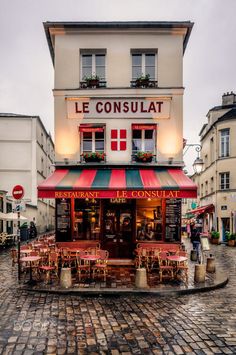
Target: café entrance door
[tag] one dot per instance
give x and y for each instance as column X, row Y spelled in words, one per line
column 118, row 229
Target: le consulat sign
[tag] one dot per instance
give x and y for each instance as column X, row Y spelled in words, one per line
column 78, row 108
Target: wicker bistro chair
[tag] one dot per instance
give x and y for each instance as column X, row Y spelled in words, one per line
column 182, row 271
column 154, row 259
column 165, row 269
column 100, row 266
column 82, row 266
column 143, row 258
column 50, row 266
column 67, row 259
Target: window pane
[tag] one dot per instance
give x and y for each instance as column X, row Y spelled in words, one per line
column 100, row 60
column 150, row 59
column 149, row 145
column 87, row 146
column 136, row 72
column 151, row 72
column 137, row 144
column 100, row 71
column 99, row 146
column 137, row 133
column 149, row 134
column 137, row 60
column 87, row 60
column 86, row 72
column 99, row 135
column 87, row 135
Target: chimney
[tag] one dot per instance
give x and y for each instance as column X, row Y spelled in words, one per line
column 229, row 98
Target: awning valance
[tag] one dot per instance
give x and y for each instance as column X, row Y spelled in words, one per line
column 117, row 183
column 91, row 128
column 144, row 126
column 203, row 209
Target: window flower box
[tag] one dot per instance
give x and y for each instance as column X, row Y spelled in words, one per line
column 95, row 157
column 92, row 81
column 143, row 81
column 144, row 157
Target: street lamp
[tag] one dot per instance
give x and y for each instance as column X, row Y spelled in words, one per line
column 198, row 162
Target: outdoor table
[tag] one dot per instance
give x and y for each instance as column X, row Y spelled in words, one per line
column 38, row 245
column 30, row 259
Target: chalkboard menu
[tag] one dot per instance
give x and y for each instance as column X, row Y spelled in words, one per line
column 173, row 220
column 63, row 220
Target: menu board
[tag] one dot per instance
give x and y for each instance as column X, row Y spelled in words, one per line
column 63, row 220
column 173, row 220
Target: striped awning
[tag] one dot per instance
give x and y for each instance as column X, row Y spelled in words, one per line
column 117, row 183
column 203, row 209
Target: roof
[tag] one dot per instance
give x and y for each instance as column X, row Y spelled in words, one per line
column 2, row 114
column 231, row 114
column 117, row 25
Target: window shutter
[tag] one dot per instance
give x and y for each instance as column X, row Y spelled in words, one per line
column 118, row 139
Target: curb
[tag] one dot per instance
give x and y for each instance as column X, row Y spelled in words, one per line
column 198, row 288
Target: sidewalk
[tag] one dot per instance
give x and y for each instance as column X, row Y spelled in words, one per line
column 121, row 281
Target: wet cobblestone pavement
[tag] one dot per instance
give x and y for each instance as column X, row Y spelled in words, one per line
column 41, row 323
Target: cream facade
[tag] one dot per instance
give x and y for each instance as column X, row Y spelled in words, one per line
column 217, row 182
column 118, row 42
column 26, row 158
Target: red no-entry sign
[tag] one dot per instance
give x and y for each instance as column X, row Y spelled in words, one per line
column 18, row 192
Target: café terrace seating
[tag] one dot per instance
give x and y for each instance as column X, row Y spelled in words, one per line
column 89, row 262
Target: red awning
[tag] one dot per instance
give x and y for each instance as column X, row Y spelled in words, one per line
column 90, row 128
column 144, row 126
column 202, row 209
column 117, row 183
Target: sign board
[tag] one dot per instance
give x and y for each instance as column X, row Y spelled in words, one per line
column 205, row 243
column 154, row 107
column 224, row 208
column 18, row 192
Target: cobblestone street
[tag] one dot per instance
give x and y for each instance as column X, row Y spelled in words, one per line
column 34, row 323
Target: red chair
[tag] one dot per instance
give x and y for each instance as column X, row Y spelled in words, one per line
column 165, row 270
column 100, row 267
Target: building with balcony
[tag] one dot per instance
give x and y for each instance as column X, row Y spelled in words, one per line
column 26, row 158
column 217, row 182
column 118, row 132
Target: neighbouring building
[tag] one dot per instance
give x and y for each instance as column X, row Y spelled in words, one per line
column 26, row 158
column 118, row 132
column 217, row 182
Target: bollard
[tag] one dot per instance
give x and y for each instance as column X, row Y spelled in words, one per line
column 65, row 278
column 141, row 278
column 193, row 255
column 200, row 273
column 211, row 265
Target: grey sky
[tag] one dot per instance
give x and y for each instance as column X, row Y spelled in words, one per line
column 27, row 71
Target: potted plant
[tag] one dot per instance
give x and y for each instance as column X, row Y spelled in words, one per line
column 144, row 157
column 92, row 80
column 143, row 81
column 231, row 240
column 95, row 157
column 215, row 236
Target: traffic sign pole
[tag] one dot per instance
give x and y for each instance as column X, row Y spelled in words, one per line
column 18, row 193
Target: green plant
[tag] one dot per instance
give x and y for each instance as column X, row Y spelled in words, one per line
column 227, row 235
column 96, row 156
column 91, row 77
column 215, row 235
column 143, row 77
column 144, row 156
column 232, row 236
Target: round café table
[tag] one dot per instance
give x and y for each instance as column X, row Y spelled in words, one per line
column 30, row 259
column 176, row 259
column 26, row 251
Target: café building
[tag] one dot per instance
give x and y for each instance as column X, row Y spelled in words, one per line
column 118, row 100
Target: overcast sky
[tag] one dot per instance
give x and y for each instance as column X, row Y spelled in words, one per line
column 27, row 73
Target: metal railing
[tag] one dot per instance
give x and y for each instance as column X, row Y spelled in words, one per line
column 95, row 85
column 143, row 84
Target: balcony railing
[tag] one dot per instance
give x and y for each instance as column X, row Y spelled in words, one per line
column 143, row 84
column 93, row 84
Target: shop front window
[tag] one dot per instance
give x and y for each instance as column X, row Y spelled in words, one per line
column 86, row 219
column 149, row 220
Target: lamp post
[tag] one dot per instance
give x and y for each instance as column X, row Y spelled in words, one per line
column 198, row 162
